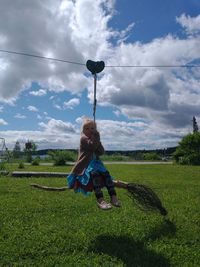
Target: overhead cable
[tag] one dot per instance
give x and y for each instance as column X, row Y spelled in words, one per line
column 108, row 66
column 42, row 57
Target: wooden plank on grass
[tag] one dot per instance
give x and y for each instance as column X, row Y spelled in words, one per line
column 38, row 174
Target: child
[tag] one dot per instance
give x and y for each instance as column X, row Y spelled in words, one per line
column 89, row 173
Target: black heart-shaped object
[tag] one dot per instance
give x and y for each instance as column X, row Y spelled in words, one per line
column 95, row 66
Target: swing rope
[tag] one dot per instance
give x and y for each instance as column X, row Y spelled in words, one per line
column 95, row 99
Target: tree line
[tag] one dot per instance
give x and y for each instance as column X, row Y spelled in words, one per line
column 187, row 151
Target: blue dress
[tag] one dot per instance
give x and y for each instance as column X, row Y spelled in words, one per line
column 94, row 165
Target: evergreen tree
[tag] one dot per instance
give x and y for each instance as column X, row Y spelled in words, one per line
column 17, row 150
column 195, row 125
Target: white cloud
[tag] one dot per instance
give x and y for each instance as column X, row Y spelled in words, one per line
column 137, row 135
column 124, row 34
column 43, row 139
column 54, row 38
column 3, row 122
column 191, row 24
column 71, row 103
column 20, row 116
column 160, row 94
column 79, row 120
column 57, row 126
column 117, row 113
column 32, row 108
column 40, row 92
column 57, row 106
column 39, row 117
column 89, row 27
column 118, row 135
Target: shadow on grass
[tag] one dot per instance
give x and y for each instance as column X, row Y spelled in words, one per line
column 165, row 229
column 130, row 252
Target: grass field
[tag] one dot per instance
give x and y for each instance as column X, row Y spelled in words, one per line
column 39, row 228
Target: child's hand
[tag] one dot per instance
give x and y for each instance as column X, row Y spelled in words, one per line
column 96, row 136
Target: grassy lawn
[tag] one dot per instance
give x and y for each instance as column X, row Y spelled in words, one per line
column 40, row 228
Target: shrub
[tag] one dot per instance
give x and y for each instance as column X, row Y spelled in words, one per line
column 21, row 165
column 2, row 166
column 151, row 156
column 36, row 161
column 138, row 156
column 114, row 157
column 61, row 156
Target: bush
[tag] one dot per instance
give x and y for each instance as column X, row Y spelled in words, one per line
column 151, row 156
column 138, row 156
column 188, row 151
column 114, row 157
column 61, row 156
column 36, row 161
column 21, row 165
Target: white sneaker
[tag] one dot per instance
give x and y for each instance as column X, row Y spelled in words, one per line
column 104, row 206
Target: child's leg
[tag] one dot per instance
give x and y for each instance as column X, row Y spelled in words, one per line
column 96, row 180
column 109, row 184
column 111, row 189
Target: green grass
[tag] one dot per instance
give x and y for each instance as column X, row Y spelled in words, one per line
column 39, row 228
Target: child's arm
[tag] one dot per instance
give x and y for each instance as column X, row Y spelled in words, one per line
column 89, row 144
column 99, row 149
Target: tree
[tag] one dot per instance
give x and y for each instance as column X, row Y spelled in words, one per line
column 195, row 125
column 188, row 151
column 30, row 147
column 17, row 150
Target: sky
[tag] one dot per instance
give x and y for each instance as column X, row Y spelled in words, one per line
column 146, row 106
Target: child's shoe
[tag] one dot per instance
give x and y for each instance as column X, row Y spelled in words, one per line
column 104, row 206
column 115, row 202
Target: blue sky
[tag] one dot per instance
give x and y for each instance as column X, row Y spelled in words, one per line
column 138, row 108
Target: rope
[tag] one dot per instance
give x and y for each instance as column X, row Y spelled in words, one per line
column 95, row 100
column 42, row 57
column 107, row 66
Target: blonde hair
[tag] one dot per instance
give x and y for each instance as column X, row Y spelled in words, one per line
column 86, row 122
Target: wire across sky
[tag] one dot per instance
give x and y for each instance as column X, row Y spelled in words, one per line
column 108, row 66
